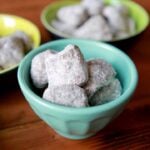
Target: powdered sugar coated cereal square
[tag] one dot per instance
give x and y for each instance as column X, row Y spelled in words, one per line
column 67, row 67
column 38, row 70
column 100, row 74
column 67, row 95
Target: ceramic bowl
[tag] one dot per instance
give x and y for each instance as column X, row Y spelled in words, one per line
column 80, row 123
column 138, row 13
column 12, row 23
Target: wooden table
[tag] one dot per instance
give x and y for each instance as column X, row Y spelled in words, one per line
column 21, row 129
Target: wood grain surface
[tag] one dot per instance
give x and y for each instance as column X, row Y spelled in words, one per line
column 21, row 129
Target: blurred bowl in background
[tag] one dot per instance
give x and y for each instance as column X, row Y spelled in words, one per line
column 137, row 12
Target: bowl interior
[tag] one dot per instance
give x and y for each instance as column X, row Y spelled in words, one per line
column 11, row 23
column 124, row 66
column 137, row 13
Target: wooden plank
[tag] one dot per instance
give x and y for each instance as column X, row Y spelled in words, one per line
column 37, row 135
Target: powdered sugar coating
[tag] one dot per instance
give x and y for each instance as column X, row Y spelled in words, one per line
column 131, row 26
column 93, row 8
column 117, row 20
column 28, row 43
column 67, row 70
column 63, row 27
column 123, row 9
column 72, row 15
column 131, row 30
column 95, row 28
column 101, row 74
column 107, row 93
column 13, row 48
column 67, row 67
column 11, row 51
column 67, row 95
column 38, row 70
column 95, row 20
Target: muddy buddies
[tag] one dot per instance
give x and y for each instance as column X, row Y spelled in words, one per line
column 66, row 78
column 95, row 20
column 13, row 48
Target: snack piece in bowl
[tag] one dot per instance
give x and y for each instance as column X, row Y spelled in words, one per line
column 13, row 48
column 11, row 51
column 122, row 9
column 63, row 27
column 106, row 93
column 122, row 25
column 67, row 67
column 38, row 70
column 68, row 95
column 101, row 74
column 120, row 34
column 28, row 44
column 95, row 28
column 71, row 80
column 93, row 8
column 72, row 15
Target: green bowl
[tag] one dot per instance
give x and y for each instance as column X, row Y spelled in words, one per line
column 11, row 23
column 80, row 123
column 137, row 12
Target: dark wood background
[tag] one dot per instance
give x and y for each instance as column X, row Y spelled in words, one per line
column 21, row 129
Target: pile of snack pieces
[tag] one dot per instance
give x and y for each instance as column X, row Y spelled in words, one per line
column 95, row 20
column 67, row 79
column 13, row 48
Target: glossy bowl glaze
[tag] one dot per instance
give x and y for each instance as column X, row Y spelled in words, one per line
column 80, row 123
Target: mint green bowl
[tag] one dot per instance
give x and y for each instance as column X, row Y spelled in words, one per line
column 137, row 12
column 80, row 123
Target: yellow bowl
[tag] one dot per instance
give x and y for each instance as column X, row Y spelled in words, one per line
column 12, row 23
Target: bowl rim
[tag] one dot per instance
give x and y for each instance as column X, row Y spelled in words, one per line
column 78, row 111
column 13, row 67
column 56, row 32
